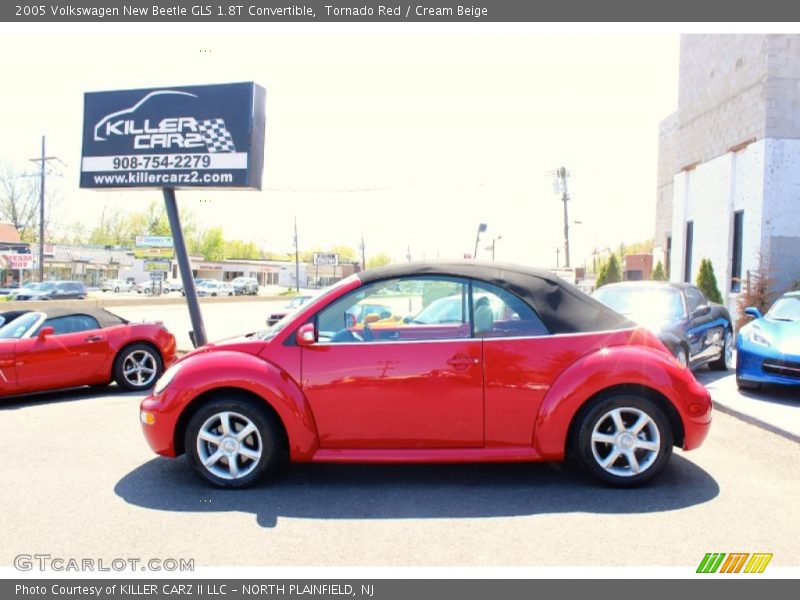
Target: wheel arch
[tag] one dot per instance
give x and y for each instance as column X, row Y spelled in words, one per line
column 210, row 395
column 127, row 344
column 634, row 389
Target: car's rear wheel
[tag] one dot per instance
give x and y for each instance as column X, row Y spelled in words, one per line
column 725, row 360
column 624, row 440
column 232, row 442
column 137, row 367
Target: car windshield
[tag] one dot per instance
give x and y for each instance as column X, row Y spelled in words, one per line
column 19, row 326
column 642, row 303
column 786, row 309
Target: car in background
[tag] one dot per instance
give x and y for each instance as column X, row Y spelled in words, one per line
column 68, row 347
column 172, row 285
column 53, row 290
column 559, row 375
column 293, row 304
column 696, row 330
column 768, row 348
column 197, row 283
column 245, row 286
column 214, row 288
column 116, row 285
column 148, row 287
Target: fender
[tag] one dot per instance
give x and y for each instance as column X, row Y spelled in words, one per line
column 602, row 369
column 231, row 369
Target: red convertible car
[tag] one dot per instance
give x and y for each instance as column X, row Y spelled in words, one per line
column 516, row 365
column 62, row 347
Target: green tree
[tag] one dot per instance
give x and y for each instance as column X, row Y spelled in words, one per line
column 378, row 260
column 658, row 273
column 609, row 272
column 240, row 249
column 210, row 244
column 707, row 281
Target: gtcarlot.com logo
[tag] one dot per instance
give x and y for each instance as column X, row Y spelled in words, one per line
column 734, row 562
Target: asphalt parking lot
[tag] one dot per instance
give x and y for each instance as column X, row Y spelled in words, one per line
column 82, row 482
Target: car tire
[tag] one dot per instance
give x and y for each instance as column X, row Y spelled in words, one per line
column 725, row 360
column 137, row 367
column 116, row 290
column 264, row 445
column 683, row 357
column 605, row 432
column 744, row 384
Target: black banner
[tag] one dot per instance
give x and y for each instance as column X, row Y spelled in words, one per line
column 431, row 11
column 382, row 589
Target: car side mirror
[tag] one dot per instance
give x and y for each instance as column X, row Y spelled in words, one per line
column 306, row 335
column 701, row 310
column 753, row 312
column 44, row 332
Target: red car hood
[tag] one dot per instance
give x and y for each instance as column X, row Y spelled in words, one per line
column 240, row 343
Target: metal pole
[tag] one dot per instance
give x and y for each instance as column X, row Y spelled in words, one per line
column 185, row 268
column 296, row 258
column 562, row 173
column 41, row 216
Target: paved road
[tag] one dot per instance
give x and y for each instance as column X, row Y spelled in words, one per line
column 79, row 481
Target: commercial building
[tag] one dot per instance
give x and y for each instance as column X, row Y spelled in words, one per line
column 729, row 162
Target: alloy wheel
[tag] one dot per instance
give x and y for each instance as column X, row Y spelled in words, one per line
column 139, row 368
column 229, row 445
column 625, row 441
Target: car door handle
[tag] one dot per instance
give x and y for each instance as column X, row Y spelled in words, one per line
column 93, row 338
column 462, row 360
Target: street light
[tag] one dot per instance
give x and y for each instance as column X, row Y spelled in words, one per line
column 494, row 242
column 481, row 229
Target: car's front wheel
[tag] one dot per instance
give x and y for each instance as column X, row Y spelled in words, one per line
column 725, row 360
column 137, row 367
column 623, row 440
column 233, row 442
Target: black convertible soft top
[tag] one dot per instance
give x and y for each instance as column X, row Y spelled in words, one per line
column 562, row 307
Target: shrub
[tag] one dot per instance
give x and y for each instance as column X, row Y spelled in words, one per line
column 658, row 273
column 707, row 281
column 609, row 272
column 757, row 290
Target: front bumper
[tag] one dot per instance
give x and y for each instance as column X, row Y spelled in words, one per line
column 767, row 365
column 696, row 416
column 159, row 415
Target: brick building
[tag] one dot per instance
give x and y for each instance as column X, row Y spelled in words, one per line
column 729, row 161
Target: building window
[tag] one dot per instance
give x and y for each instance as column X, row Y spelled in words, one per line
column 687, row 260
column 736, row 262
column 668, row 257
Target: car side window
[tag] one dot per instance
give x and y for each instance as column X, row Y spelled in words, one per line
column 694, row 298
column 499, row 313
column 71, row 324
column 403, row 309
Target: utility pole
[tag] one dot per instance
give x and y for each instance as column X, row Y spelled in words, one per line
column 481, row 229
column 43, row 160
column 363, row 256
column 296, row 258
column 562, row 176
column 408, row 253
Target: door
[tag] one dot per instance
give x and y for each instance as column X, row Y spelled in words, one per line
column 701, row 331
column 70, row 356
column 389, row 381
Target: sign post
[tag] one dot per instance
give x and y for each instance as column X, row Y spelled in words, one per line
column 209, row 137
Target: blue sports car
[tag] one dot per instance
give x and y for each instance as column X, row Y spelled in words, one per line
column 768, row 348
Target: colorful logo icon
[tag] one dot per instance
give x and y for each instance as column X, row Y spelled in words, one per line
column 734, row 562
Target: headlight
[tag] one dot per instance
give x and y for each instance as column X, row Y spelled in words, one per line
column 758, row 338
column 167, row 378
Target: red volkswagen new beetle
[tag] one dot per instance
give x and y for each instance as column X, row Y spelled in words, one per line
column 476, row 363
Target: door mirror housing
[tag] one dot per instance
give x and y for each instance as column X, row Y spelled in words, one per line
column 753, row 312
column 306, row 335
column 44, row 333
column 701, row 310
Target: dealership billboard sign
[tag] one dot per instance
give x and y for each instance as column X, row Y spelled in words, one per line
column 326, row 259
column 154, row 247
column 209, row 136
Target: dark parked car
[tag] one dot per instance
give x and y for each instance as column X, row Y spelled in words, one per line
column 53, row 290
column 696, row 330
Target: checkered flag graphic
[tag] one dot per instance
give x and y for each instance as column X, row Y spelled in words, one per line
column 216, row 136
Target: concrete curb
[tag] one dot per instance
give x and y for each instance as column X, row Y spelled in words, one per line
column 110, row 302
column 751, row 420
